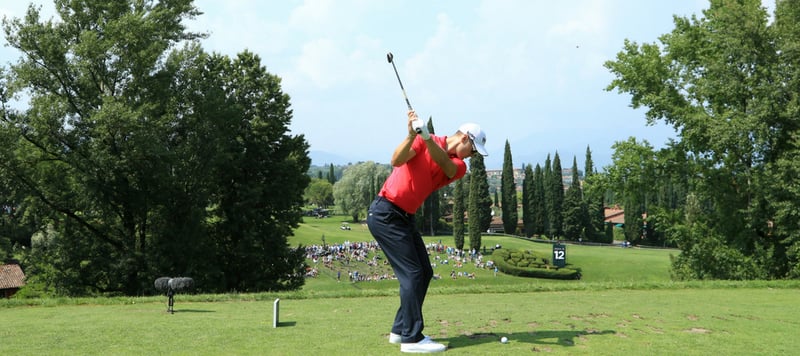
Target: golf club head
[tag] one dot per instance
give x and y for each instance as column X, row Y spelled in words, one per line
column 389, row 57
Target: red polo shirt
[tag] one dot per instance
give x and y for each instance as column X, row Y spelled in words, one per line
column 411, row 183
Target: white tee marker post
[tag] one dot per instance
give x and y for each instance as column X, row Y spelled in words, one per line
column 275, row 311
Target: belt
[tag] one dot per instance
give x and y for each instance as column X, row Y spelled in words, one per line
column 398, row 209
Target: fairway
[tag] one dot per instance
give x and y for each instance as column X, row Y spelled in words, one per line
column 624, row 304
column 600, row 264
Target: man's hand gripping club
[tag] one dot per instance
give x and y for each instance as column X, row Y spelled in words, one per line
column 417, row 126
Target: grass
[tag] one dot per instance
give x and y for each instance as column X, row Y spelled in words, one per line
column 600, row 265
column 625, row 304
column 679, row 321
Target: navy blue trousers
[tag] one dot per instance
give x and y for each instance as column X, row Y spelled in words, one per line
column 396, row 233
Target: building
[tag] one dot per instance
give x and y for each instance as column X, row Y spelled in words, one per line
column 615, row 215
column 11, row 279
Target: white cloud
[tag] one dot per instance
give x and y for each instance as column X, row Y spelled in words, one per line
column 529, row 71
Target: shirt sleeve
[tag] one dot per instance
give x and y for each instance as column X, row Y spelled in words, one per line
column 461, row 170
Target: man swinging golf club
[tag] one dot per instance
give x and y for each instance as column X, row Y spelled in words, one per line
column 422, row 164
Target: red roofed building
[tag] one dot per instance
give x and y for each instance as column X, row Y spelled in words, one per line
column 615, row 215
column 11, row 279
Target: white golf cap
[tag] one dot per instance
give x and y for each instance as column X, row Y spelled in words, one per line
column 477, row 136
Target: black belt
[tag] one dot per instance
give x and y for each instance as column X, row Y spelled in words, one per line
column 398, row 209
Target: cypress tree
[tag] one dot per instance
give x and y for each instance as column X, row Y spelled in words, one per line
column 480, row 203
column 528, row 200
column 594, row 202
column 331, row 174
column 508, row 188
column 547, row 173
column 574, row 216
column 539, row 205
column 557, row 198
column 459, row 198
column 557, row 187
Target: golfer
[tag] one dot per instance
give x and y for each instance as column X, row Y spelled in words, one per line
column 422, row 164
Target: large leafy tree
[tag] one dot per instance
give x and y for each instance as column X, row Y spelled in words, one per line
column 780, row 184
column 319, row 192
column 508, row 189
column 358, row 186
column 258, row 174
column 633, row 180
column 727, row 83
column 137, row 162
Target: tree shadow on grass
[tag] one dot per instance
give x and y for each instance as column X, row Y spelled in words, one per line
column 542, row 340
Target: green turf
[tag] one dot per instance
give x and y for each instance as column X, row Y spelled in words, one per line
column 615, row 266
column 624, row 305
column 725, row 321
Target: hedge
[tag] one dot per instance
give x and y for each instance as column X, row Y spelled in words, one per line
column 526, row 263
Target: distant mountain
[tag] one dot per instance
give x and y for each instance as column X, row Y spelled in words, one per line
column 321, row 158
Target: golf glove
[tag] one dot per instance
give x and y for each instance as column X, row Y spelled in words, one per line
column 421, row 129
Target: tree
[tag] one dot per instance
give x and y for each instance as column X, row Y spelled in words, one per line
column 595, row 207
column 358, row 186
column 319, row 192
column 728, row 84
column 480, row 203
column 459, row 200
column 254, row 205
column 539, row 204
column 574, row 213
column 588, row 167
column 528, row 199
column 15, row 228
column 331, row 175
column 779, row 186
column 547, row 195
column 556, row 200
column 508, row 187
column 141, row 162
column 632, row 174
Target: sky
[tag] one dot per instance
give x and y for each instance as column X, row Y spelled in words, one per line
column 530, row 72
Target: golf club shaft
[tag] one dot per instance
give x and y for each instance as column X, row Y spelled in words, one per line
column 391, row 60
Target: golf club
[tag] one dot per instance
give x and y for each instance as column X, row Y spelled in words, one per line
column 390, row 57
column 417, row 124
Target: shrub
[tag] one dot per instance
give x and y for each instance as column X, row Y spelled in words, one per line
column 526, row 263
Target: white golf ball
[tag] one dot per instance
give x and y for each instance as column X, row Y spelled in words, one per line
column 504, row 339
